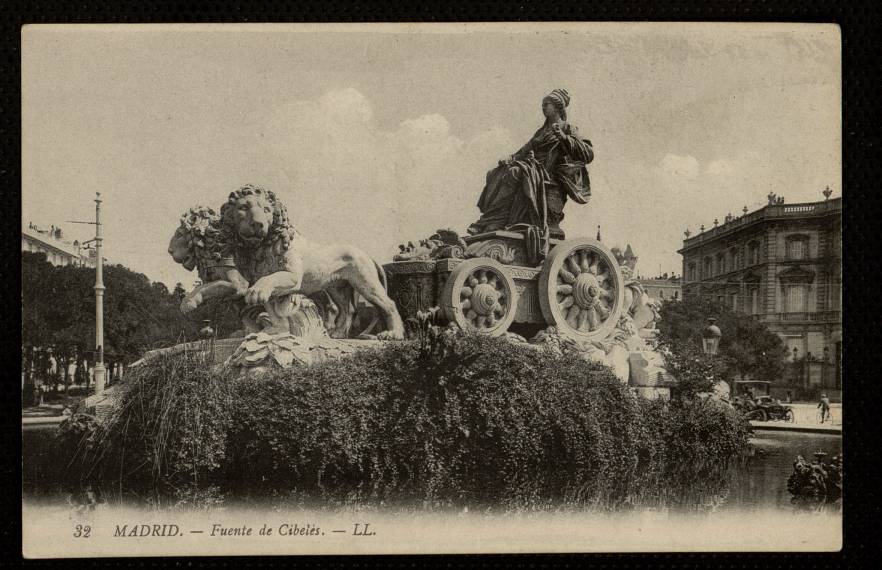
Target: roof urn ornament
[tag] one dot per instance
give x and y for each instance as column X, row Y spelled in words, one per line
column 687, row 233
column 827, row 192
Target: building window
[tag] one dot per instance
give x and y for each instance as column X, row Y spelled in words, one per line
column 733, row 259
column 721, row 267
column 708, row 267
column 754, row 300
column 734, row 302
column 795, row 299
column 797, row 247
column 753, row 253
column 691, row 272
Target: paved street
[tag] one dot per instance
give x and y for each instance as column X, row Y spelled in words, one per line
column 806, row 419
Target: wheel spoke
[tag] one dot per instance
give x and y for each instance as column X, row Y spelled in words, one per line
column 582, row 320
column 602, row 311
column 479, row 322
column 497, row 308
column 466, row 305
column 491, row 321
column 602, row 277
column 567, row 276
column 482, row 276
column 565, row 289
column 566, row 303
column 472, row 281
column 584, row 262
column 572, row 265
column 465, row 292
column 592, row 320
column 573, row 315
column 471, row 314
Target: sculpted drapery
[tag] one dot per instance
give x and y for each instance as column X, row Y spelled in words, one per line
column 532, row 187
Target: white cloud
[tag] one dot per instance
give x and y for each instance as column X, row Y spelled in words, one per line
column 722, row 168
column 680, row 166
column 376, row 187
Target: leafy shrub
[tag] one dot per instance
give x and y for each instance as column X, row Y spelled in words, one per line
column 168, row 432
column 464, row 420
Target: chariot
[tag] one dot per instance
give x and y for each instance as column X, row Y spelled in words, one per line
column 498, row 279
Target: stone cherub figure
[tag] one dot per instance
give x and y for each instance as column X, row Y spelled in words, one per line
column 532, row 186
column 442, row 244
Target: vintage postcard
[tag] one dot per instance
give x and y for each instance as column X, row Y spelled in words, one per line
column 431, row 288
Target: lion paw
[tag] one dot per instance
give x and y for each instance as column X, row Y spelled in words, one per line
column 391, row 335
column 188, row 305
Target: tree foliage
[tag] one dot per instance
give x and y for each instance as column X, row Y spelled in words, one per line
column 58, row 311
column 474, row 421
column 748, row 349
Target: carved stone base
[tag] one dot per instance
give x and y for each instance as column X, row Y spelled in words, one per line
column 260, row 352
column 648, row 370
column 506, row 247
column 652, row 393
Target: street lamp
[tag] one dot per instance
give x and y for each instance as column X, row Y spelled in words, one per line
column 710, row 337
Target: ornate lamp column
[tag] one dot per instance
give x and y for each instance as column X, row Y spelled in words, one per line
column 100, row 371
column 710, row 337
column 710, row 340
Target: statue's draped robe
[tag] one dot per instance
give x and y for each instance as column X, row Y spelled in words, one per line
column 516, row 193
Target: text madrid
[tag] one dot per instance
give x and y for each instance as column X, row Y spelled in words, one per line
column 285, row 529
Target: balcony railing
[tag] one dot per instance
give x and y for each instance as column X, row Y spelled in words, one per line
column 772, row 211
column 820, row 316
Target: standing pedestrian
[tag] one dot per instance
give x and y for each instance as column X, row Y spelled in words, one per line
column 824, row 406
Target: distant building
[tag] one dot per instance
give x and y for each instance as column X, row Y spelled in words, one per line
column 58, row 251
column 662, row 288
column 783, row 265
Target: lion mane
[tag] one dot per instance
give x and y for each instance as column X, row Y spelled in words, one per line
column 200, row 227
column 279, row 232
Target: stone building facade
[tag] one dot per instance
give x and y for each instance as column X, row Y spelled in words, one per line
column 783, row 265
column 52, row 243
column 662, row 288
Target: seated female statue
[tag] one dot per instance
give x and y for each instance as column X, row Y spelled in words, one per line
column 531, row 186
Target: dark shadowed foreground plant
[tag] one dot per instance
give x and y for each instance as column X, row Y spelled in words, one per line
column 477, row 421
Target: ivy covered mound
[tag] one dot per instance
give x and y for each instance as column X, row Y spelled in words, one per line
column 468, row 421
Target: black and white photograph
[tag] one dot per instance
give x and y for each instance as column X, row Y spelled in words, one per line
column 459, row 288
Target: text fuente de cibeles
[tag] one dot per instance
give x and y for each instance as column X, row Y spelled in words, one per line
column 218, row 530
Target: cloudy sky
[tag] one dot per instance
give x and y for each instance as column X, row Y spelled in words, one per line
column 382, row 136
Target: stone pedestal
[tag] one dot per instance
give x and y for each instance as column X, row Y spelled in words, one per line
column 648, row 370
column 652, row 393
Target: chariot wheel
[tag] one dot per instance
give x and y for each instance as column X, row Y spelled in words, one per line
column 581, row 289
column 480, row 296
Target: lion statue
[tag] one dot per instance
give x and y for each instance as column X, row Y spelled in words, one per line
column 277, row 260
column 194, row 245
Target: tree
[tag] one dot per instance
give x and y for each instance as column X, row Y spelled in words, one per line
column 747, row 348
column 58, row 312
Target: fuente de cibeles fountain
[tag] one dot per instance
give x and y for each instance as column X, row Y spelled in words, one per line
column 514, row 273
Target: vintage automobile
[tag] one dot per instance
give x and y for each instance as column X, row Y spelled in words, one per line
column 763, row 409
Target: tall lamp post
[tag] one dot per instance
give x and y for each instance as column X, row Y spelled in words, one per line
column 710, row 339
column 100, row 371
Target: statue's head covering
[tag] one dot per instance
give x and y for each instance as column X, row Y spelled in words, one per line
column 561, row 96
